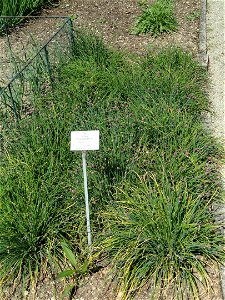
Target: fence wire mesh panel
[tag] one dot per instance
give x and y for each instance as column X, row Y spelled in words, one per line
column 29, row 58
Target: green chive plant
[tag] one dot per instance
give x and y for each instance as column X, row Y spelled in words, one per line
column 149, row 113
column 156, row 18
column 161, row 238
column 19, row 8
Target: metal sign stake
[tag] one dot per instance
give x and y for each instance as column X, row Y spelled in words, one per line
column 86, row 197
column 85, row 141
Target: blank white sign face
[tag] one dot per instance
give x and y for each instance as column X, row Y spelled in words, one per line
column 84, row 140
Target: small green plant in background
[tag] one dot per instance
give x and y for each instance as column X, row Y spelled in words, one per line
column 156, row 18
column 20, row 8
column 195, row 15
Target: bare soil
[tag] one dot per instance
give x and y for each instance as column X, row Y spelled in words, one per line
column 113, row 20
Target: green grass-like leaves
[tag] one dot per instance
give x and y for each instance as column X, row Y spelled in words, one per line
column 158, row 227
column 156, row 19
column 19, row 8
column 161, row 237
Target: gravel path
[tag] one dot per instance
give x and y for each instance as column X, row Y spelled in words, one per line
column 216, row 67
column 216, row 48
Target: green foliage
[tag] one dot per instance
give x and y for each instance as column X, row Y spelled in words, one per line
column 76, row 272
column 195, row 15
column 160, row 236
column 156, row 19
column 149, row 113
column 40, row 207
column 19, row 8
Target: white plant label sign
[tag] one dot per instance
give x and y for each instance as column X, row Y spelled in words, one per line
column 84, row 140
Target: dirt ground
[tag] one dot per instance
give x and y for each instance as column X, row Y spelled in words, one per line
column 113, row 20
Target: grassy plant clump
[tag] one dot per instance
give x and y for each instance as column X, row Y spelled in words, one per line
column 19, row 8
column 156, row 18
column 156, row 227
column 161, row 237
column 38, row 208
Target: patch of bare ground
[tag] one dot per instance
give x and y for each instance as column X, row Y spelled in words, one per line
column 113, row 20
column 23, row 42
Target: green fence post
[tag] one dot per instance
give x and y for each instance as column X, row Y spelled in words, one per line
column 48, row 64
column 71, row 34
column 17, row 116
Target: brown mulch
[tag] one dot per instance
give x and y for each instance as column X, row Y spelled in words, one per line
column 114, row 20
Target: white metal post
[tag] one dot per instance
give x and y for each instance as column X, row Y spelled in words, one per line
column 86, row 197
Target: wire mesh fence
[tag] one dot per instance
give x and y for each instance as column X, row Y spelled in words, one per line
column 28, row 62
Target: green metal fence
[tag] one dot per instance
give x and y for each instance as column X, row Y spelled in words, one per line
column 30, row 71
